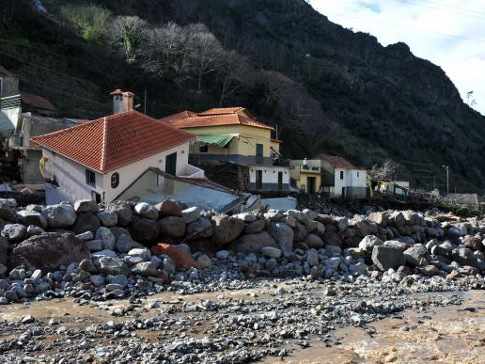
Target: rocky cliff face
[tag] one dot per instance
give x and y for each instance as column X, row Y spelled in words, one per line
column 328, row 88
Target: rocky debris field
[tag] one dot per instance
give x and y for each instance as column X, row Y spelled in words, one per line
column 133, row 251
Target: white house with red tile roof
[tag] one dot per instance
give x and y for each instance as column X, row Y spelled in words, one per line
column 100, row 159
column 341, row 178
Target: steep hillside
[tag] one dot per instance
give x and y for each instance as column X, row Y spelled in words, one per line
column 326, row 87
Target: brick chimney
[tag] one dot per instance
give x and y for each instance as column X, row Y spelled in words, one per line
column 122, row 101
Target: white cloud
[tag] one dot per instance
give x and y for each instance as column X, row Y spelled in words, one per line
column 449, row 33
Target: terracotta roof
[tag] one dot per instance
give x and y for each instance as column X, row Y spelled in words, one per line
column 37, row 102
column 214, row 117
column 113, row 141
column 337, row 162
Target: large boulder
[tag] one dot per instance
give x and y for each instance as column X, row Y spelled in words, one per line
column 284, row 236
column 124, row 212
column 417, row 256
column 368, row 243
column 464, row 256
column 32, row 218
column 386, row 257
column 253, row 243
column 106, row 236
column 60, row 216
column 4, row 250
column 108, row 218
column 191, row 214
column 144, row 230
column 86, row 221
column 86, row 206
column 255, row 227
column 379, row 218
column 473, row 242
column 200, row 228
column 226, row 229
column 314, row 241
column 172, row 226
column 169, row 208
column 49, row 251
column 147, row 211
column 178, row 253
column 8, row 213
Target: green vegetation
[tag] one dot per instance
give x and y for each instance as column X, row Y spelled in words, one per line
column 90, row 20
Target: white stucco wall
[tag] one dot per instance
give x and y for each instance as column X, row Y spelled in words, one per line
column 270, row 174
column 352, row 178
column 71, row 176
column 130, row 173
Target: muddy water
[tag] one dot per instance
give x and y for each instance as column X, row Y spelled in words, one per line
column 454, row 335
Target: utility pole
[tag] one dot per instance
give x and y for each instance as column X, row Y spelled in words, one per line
column 447, row 168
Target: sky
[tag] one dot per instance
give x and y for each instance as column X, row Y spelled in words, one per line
column 449, row 33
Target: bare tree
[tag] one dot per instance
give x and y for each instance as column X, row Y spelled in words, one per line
column 386, row 172
column 129, row 33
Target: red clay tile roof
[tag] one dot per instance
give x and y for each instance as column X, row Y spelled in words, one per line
column 338, row 162
column 113, row 141
column 214, row 117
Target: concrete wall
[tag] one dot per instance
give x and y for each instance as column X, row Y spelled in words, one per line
column 270, row 177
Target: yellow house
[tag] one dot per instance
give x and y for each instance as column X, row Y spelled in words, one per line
column 233, row 135
column 307, row 175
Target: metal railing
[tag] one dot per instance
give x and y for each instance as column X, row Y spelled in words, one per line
column 10, row 102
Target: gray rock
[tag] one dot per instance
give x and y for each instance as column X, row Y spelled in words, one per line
column 124, row 212
column 8, row 213
column 108, row 218
column 144, row 230
column 97, row 280
column 86, row 236
column 86, row 206
column 94, row 245
column 32, row 218
column 14, row 232
column 4, row 250
column 146, row 210
column 120, row 279
column 223, row 254
column 60, row 216
column 253, row 243
column 87, row 265
column 255, row 227
column 172, row 226
column 49, row 251
column 314, row 241
column 191, row 214
column 416, row 256
column 105, row 253
column 200, row 228
column 271, row 252
column 106, row 236
column 125, row 243
column 312, row 258
column 148, row 269
column 86, row 221
column 112, row 265
column 204, row 261
column 368, row 243
column 34, row 230
column 386, row 257
column 226, row 229
column 464, row 256
column 144, row 253
column 284, row 235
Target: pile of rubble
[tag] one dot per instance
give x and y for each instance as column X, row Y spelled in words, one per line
column 133, row 250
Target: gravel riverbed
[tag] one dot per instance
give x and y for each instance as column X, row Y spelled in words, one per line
column 261, row 320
